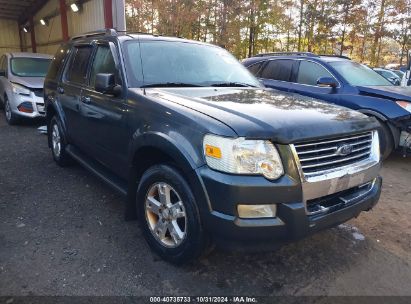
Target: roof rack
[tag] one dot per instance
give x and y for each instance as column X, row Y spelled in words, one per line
column 105, row 32
column 337, row 56
column 308, row 54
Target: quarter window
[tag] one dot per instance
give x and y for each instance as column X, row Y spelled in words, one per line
column 77, row 70
column 103, row 63
column 278, row 70
column 309, row 73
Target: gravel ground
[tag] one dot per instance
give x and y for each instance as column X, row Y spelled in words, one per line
column 62, row 233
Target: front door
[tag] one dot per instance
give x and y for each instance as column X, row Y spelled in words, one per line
column 306, row 82
column 105, row 115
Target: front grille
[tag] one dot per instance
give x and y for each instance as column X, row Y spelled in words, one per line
column 323, row 155
column 336, row 201
column 40, row 108
column 38, row 92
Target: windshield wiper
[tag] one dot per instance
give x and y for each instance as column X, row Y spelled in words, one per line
column 170, row 85
column 232, row 84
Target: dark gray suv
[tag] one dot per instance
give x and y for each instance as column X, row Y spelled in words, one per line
column 203, row 154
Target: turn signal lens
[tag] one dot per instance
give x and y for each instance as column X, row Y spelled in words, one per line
column 212, row 151
column 405, row 105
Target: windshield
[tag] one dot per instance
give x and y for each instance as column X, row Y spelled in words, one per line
column 171, row 63
column 359, row 75
column 29, row 67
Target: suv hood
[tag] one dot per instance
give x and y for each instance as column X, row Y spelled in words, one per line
column 391, row 92
column 270, row 114
column 29, row 82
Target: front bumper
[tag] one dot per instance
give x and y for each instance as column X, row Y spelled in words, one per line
column 295, row 218
column 36, row 102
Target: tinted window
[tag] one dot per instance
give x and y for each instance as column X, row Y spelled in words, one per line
column 309, row 72
column 278, row 70
column 255, row 68
column 103, row 63
column 77, row 70
column 57, row 62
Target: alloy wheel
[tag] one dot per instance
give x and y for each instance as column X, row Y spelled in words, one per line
column 7, row 110
column 56, row 140
column 166, row 215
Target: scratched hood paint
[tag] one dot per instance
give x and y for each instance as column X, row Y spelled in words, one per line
column 266, row 113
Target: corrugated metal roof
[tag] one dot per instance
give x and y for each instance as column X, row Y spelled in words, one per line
column 19, row 9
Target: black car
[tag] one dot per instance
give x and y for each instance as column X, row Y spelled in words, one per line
column 203, row 154
column 339, row 80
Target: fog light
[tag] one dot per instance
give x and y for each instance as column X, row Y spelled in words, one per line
column 256, row 211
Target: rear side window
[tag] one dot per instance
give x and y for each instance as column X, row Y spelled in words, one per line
column 309, row 73
column 255, row 68
column 278, row 70
column 77, row 70
column 57, row 62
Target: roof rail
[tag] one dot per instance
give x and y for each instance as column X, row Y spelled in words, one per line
column 308, row 54
column 105, row 32
column 338, row 56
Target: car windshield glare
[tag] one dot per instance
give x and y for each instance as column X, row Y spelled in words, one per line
column 359, row 75
column 30, row 67
column 164, row 63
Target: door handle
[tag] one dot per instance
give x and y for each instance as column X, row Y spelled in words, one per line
column 60, row 90
column 85, row 99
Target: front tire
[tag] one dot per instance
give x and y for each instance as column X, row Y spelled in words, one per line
column 11, row 118
column 58, row 143
column 386, row 140
column 169, row 215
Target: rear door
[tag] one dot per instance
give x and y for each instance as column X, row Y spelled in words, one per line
column 305, row 81
column 277, row 74
column 69, row 91
column 104, row 115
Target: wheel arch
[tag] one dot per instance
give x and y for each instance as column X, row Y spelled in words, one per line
column 154, row 148
column 395, row 133
column 51, row 111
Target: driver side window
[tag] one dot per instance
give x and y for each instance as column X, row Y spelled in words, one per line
column 103, row 63
column 309, row 72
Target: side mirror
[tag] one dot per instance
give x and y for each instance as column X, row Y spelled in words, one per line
column 394, row 81
column 2, row 73
column 106, row 84
column 327, row 82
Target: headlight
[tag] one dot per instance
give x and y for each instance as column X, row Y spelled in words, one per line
column 404, row 104
column 19, row 89
column 242, row 156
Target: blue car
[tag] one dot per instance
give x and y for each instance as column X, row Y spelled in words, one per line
column 339, row 80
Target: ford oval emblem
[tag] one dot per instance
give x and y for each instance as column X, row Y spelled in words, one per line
column 344, row 149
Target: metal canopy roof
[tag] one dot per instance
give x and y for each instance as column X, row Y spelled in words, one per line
column 19, row 10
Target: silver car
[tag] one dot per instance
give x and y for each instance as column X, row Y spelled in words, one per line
column 21, row 85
